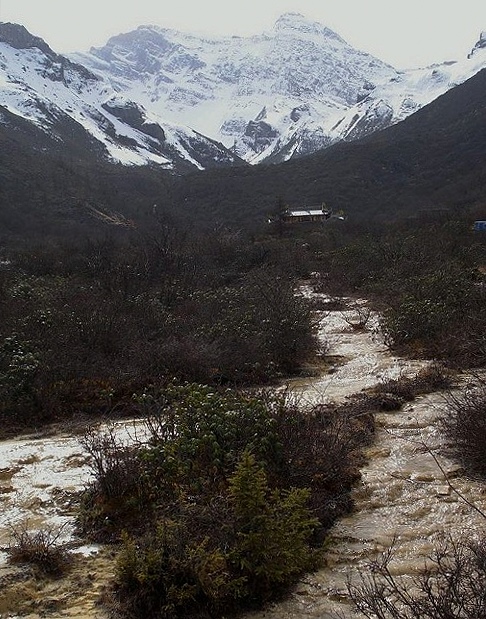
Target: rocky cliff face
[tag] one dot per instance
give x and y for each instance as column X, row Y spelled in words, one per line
column 481, row 44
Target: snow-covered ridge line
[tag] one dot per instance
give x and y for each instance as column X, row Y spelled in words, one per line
column 57, row 94
column 270, row 97
column 265, row 98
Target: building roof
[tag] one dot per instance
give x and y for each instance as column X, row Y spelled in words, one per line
column 304, row 213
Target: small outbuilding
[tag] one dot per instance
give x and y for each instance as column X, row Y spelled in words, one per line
column 311, row 214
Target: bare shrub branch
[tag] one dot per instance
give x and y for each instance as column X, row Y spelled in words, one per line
column 451, row 584
column 464, row 425
column 40, row 548
column 357, row 316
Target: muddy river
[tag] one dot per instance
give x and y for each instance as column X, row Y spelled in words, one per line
column 407, row 494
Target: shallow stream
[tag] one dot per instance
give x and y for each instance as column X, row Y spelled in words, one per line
column 407, row 494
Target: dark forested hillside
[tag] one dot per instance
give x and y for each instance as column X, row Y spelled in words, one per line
column 433, row 160
column 58, row 188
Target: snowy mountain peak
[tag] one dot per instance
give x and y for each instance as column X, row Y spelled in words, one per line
column 68, row 103
column 252, row 94
column 295, row 23
column 151, row 95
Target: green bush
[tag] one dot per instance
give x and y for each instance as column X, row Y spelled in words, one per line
column 19, row 366
column 226, row 501
column 272, row 531
column 428, row 317
column 261, row 548
column 414, row 320
column 168, row 574
column 205, row 430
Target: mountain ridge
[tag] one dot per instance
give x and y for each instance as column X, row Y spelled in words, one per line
column 155, row 96
column 430, row 162
column 57, row 94
column 55, row 173
column 285, row 93
column 241, row 90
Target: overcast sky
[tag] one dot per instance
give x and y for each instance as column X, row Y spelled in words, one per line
column 405, row 33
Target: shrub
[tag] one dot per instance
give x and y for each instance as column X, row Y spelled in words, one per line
column 358, row 318
column 424, row 276
column 41, row 549
column 226, row 500
column 120, row 493
column 258, row 327
column 130, row 310
column 465, row 426
column 196, row 435
column 414, row 320
column 452, row 583
column 433, row 315
column 18, row 366
column 206, row 430
column 262, row 546
column 434, row 377
column 169, row 574
column 272, row 531
column 322, row 451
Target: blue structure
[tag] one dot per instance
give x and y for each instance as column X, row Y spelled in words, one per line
column 480, row 226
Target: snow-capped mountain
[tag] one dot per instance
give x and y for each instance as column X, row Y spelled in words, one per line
column 61, row 98
column 392, row 101
column 152, row 95
column 259, row 95
column 287, row 92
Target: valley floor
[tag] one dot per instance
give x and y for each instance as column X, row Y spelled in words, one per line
column 403, row 496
